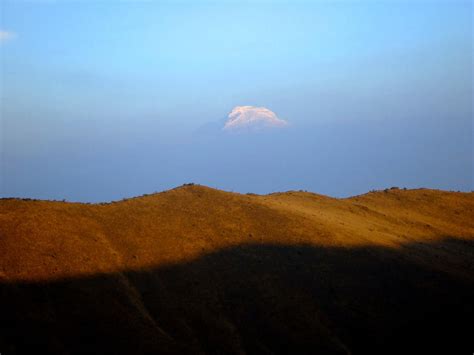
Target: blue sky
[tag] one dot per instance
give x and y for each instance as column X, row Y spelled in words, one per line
column 106, row 99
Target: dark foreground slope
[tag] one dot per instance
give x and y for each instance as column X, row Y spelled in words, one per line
column 197, row 270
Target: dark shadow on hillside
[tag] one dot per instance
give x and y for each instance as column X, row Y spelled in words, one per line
column 253, row 299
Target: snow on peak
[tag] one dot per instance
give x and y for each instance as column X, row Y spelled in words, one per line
column 251, row 117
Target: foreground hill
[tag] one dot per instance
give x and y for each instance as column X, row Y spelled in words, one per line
column 198, row 270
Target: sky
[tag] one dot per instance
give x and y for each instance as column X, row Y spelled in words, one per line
column 102, row 100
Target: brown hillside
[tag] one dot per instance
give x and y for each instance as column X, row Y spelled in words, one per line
column 198, row 270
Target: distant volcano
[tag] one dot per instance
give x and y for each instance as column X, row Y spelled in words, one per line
column 251, row 118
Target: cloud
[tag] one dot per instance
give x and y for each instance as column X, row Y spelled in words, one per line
column 6, row 36
column 252, row 118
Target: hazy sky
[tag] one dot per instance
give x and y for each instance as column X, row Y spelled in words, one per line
column 105, row 99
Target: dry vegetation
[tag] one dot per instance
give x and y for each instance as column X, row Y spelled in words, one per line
column 198, row 270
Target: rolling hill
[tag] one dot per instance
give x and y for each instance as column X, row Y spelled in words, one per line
column 199, row 270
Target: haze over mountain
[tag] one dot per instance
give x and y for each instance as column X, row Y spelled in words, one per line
column 198, row 270
column 102, row 100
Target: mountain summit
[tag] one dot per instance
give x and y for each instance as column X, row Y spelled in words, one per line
column 252, row 118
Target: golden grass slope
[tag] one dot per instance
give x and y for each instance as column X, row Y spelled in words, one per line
column 45, row 240
column 198, row 270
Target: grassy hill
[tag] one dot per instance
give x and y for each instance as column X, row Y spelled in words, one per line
column 198, row 270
